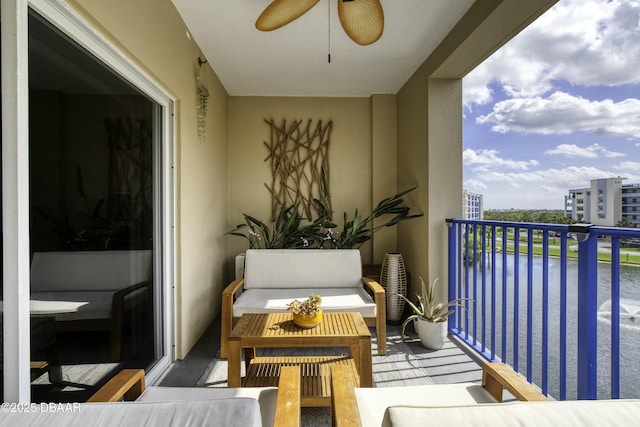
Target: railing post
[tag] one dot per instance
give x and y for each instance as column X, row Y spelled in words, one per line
column 587, row 311
column 452, row 268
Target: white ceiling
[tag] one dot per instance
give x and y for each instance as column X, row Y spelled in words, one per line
column 293, row 60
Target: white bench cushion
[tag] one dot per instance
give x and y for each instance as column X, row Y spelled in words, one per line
column 536, row 414
column 276, row 300
column 89, row 270
column 266, row 397
column 372, row 402
column 236, row 412
column 300, row 268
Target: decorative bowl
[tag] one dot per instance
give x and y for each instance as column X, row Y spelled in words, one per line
column 307, row 320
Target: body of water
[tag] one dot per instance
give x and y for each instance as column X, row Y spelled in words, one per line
column 629, row 322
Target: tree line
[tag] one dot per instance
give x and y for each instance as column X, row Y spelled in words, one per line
column 538, row 216
column 543, row 216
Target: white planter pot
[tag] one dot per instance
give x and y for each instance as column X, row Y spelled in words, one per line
column 432, row 335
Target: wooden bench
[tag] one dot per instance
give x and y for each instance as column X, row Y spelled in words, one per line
column 315, row 375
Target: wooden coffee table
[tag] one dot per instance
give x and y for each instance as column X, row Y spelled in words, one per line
column 277, row 330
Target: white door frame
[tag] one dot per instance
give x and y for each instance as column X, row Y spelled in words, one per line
column 15, row 200
column 15, row 182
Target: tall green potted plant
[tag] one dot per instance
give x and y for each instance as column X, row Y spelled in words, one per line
column 286, row 231
column 430, row 316
column 289, row 231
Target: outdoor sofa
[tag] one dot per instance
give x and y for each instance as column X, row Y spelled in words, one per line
column 466, row 404
column 110, row 284
column 124, row 401
column 275, row 277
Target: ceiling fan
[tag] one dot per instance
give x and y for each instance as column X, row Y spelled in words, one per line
column 362, row 20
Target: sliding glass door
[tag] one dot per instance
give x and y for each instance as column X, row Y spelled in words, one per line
column 99, row 208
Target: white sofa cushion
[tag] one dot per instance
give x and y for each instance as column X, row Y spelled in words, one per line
column 578, row 413
column 266, row 397
column 236, row 412
column 300, row 268
column 372, row 402
column 276, row 300
column 89, row 270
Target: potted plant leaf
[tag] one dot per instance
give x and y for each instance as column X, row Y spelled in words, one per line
column 430, row 316
column 286, row 232
column 289, row 231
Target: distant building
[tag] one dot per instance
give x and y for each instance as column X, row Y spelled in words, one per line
column 472, row 205
column 606, row 202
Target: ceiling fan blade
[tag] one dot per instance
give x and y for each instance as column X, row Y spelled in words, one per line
column 280, row 12
column 362, row 20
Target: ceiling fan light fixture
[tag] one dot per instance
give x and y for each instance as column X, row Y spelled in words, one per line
column 281, row 12
column 362, row 20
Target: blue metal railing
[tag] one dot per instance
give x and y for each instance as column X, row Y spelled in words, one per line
column 541, row 302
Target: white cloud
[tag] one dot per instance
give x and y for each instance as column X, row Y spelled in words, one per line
column 493, row 169
column 487, row 159
column 572, row 150
column 629, row 167
column 474, row 185
column 543, row 188
column 592, row 43
column 590, row 152
column 519, row 186
column 563, row 113
column 578, row 46
column 572, row 176
column 607, row 153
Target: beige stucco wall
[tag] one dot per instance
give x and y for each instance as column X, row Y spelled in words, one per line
column 445, row 171
column 413, row 170
column 363, row 165
column 152, row 35
column 349, row 155
column 384, row 180
column 430, row 151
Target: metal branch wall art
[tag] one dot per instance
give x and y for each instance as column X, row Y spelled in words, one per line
column 299, row 159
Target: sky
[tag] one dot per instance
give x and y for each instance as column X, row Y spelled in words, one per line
column 557, row 106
